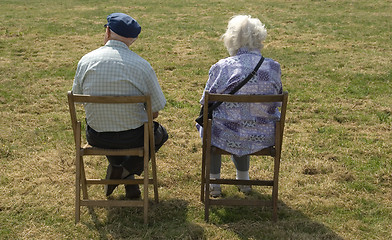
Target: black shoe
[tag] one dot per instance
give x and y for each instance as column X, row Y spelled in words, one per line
column 132, row 191
column 112, row 173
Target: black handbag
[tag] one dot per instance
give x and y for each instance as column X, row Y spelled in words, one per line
column 214, row 105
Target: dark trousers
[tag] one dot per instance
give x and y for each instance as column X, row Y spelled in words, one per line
column 126, row 139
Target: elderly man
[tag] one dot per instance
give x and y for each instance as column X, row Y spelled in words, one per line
column 116, row 70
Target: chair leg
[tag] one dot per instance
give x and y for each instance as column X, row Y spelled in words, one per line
column 275, row 203
column 202, row 179
column 275, row 187
column 78, row 165
column 155, row 179
column 145, row 201
column 206, row 187
column 146, row 177
column 83, row 179
column 77, row 190
column 206, row 202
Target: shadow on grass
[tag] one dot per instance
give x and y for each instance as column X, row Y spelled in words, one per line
column 173, row 219
column 249, row 222
column 166, row 220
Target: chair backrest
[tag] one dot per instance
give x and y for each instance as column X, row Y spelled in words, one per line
column 80, row 99
column 282, row 98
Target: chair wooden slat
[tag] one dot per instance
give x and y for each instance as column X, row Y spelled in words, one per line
column 112, row 203
column 240, row 202
column 116, row 181
column 88, row 150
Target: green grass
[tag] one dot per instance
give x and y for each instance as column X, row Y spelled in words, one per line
column 336, row 172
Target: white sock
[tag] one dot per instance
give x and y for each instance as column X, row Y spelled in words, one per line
column 215, row 176
column 243, row 175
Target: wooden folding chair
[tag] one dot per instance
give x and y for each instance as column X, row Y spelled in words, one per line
column 146, row 151
column 273, row 151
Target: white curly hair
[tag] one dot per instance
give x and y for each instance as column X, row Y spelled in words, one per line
column 244, row 31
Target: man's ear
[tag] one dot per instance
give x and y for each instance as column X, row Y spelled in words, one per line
column 106, row 38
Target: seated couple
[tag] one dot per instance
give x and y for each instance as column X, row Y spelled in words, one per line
column 114, row 69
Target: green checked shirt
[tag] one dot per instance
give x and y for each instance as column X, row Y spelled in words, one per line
column 115, row 70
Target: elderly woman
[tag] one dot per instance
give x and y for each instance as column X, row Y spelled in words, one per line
column 253, row 125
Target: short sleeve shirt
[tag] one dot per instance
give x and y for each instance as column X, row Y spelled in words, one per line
column 244, row 128
column 116, row 70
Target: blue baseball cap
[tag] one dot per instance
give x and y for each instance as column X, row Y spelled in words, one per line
column 123, row 25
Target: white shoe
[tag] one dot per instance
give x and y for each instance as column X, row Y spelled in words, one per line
column 215, row 191
column 246, row 189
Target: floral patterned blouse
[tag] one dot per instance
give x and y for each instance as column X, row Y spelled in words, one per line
column 244, row 128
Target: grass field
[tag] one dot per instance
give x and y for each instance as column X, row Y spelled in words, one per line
column 335, row 180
